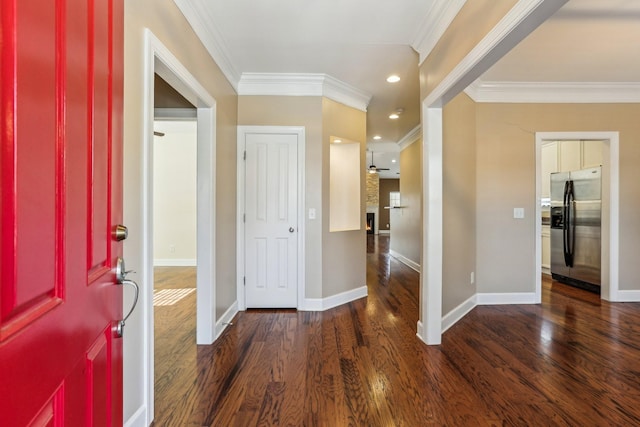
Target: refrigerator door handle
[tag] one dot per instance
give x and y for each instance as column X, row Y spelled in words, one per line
column 572, row 223
column 565, row 223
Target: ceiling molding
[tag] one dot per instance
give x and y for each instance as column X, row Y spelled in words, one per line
column 518, row 22
column 211, row 38
column 414, row 135
column 437, row 21
column 311, row 84
column 554, row 92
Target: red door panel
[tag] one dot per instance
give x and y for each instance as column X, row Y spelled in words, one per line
column 60, row 198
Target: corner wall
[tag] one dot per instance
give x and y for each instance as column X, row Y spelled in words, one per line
column 459, row 202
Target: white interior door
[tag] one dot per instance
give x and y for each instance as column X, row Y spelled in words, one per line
column 271, row 221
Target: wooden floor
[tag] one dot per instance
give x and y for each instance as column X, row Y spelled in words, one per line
column 573, row 360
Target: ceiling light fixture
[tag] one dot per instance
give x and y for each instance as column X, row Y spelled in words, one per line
column 337, row 141
column 377, row 137
column 397, row 113
column 393, row 116
column 393, row 78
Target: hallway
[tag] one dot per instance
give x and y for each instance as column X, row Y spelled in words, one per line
column 570, row 361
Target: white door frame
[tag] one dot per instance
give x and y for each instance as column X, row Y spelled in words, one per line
column 610, row 217
column 158, row 59
column 240, row 264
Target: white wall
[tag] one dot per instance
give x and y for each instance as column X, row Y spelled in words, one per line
column 174, row 193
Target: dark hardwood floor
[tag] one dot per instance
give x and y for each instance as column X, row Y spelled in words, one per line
column 574, row 360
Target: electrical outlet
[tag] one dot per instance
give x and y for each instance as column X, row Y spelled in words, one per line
column 172, row 248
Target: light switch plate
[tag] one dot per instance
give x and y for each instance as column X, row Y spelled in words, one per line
column 518, row 213
column 312, row 213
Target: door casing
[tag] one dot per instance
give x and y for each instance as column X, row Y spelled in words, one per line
column 242, row 132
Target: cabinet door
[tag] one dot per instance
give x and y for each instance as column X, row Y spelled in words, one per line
column 548, row 166
column 570, row 156
column 591, row 154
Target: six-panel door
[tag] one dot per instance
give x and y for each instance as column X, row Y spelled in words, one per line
column 60, row 198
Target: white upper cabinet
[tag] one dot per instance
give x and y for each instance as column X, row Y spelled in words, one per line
column 591, row 154
column 570, row 156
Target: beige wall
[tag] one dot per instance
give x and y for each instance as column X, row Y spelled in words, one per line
column 506, row 179
column 406, row 223
column 464, row 33
column 343, row 253
column 386, row 186
column 164, row 19
column 298, row 111
column 459, row 201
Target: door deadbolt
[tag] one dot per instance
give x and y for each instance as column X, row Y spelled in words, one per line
column 120, row 232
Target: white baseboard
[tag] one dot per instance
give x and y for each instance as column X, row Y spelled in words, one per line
column 138, row 418
column 628, row 296
column 452, row 317
column 384, row 232
column 226, row 319
column 420, row 331
column 406, row 261
column 322, row 304
column 178, row 262
column 506, row 298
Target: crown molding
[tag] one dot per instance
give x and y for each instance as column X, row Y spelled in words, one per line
column 294, row 84
column 554, row 92
column 210, row 37
column 414, row 135
column 436, row 22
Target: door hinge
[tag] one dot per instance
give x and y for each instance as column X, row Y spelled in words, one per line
column 244, row 281
column 244, row 217
column 244, row 156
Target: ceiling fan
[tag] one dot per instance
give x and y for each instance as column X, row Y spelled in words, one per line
column 373, row 168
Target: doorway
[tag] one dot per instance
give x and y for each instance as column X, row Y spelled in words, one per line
column 610, row 206
column 161, row 62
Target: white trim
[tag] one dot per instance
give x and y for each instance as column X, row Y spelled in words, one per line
column 412, row 136
column 432, row 225
column 610, row 249
column 384, row 232
column 452, row 317
column 406, row 261
column 137, row 419
column 420, row 331
column 226, row 318
column 212, row 39
column 506, row 298
column 303, row 84
column 175, row 262
column 519, row 22
column 241, row 189
column 628, row 296
column 158, row 59
column 322, row 304
column 437, row 20
column 554, row 92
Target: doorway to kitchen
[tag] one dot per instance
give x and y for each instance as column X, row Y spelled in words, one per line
column 610, row 199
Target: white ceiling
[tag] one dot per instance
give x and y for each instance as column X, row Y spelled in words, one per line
column 361, row 42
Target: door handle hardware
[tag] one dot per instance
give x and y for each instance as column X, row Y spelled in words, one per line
column 291, row 229
column 120, row 324
column 121, row 274
column 120, row 232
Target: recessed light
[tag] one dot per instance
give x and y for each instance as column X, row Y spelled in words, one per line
column 394, row 116
column 337, row 141
column 377, row 137
column 393, row 78
column 393, row 160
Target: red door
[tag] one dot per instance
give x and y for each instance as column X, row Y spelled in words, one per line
column 60, row 199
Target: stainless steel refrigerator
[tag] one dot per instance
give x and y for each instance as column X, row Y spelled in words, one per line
column 575, row 227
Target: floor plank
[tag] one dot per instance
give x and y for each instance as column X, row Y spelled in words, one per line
column 570, row 361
